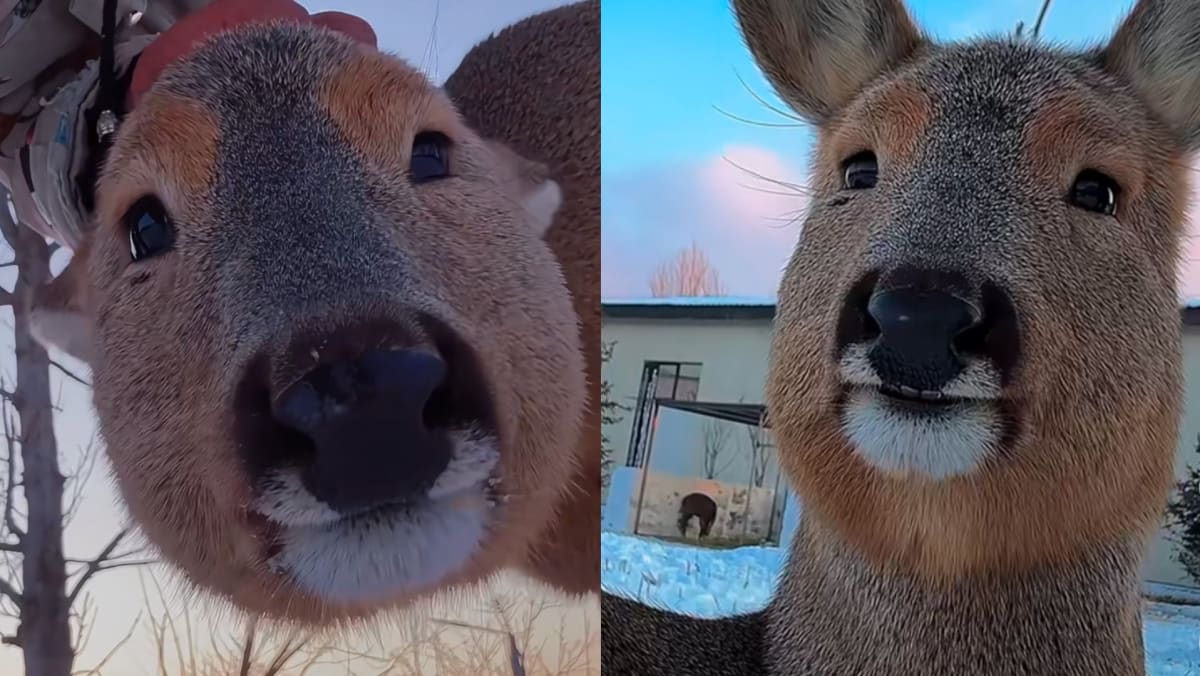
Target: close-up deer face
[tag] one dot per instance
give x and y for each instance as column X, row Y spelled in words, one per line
column 335, row 366
column 984, row 296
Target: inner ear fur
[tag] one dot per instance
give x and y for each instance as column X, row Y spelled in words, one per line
column 58, row 317
column 529, row 183
column 1157, row 50
column 819, row 54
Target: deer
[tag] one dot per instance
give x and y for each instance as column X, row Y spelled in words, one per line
column 975, row 367
column 336, row 340
column 700, row 506
column 555, row 118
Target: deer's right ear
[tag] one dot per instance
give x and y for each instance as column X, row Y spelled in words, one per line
column 58, row 318
column 819, row 54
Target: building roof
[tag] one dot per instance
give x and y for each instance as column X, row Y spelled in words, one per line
column 690, row 307
column 751, row 307
column 747, row 414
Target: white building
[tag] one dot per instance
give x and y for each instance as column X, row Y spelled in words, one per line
column 715, row 350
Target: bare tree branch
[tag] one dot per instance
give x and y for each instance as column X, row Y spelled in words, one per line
column 10, row 520
column 68, row 373
column 96, row 670
column 96, row 565
column 688, row 273
column 11, row 592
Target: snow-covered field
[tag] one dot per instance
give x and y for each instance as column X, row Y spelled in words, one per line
column 714, row 582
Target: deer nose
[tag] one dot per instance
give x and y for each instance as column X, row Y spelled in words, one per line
column 365, row 417
column 919, row 331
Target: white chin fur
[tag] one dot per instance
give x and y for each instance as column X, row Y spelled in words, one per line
column 940, row 445
column 351, row 559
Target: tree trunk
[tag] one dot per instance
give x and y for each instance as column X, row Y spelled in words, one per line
column 45, row 633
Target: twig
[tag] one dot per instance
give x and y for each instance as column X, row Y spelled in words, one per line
column 1037, row 25
column 67, row 372
column 96, row 565
column 10, row 520
column 11, row 592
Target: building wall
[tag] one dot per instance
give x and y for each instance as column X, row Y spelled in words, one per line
column 732, row 354
column 734, row 357
column 1160, row 565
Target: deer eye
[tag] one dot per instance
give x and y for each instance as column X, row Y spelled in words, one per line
column 860, row 171
column 151, row 231
column 430, row 160
column 1095, row 192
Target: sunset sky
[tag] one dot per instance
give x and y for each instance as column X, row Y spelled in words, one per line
column 678, row 167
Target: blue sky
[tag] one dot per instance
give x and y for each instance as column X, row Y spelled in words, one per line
column 671, row 157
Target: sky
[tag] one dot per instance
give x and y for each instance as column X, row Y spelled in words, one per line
column 431, row 35
column 678, row 166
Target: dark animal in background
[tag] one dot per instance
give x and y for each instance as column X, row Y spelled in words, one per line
column 698, row 505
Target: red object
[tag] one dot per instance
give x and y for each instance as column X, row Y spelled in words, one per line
column 184, row 35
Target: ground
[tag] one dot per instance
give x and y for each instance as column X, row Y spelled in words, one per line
column 715, row 582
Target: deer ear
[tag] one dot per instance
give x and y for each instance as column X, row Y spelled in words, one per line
column 528, row 183
column 58, row 318
column 819, row 54
column 1157, row 50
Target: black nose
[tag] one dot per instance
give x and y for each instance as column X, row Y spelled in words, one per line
column 918, row 332
column 366, row 418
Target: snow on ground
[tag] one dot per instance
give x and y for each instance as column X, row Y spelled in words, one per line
column 715, row 582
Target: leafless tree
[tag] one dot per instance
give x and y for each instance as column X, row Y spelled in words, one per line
column 184, row 647
column 760, row 455
column 39, row 584
column 716, row 436
column 610, row 414
column 688, row 273
column 252, row 649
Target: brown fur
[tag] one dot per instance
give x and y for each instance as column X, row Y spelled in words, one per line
column 158, row 331
column 555, row 117
column 1029, row 563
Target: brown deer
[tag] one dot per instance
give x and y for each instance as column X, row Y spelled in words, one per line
column 975, row 377
column 700, row 506
column 336, row 364
column 555, row 118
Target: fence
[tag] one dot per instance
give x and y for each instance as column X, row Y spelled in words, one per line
column 708, row 474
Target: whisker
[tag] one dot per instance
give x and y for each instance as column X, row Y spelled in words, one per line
column 755, row 123
column 797, row 188
column 770, row 106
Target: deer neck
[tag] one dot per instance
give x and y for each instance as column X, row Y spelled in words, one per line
column 835, row 613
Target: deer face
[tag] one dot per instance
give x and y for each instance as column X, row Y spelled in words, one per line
column 334, row 362
column 978, row 328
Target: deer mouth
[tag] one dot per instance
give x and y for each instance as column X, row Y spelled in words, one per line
column 396, row 548
column 383, row 496
column 917, row 400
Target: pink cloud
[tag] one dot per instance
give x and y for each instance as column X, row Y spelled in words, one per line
column 739, row 206
column 745, row 208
